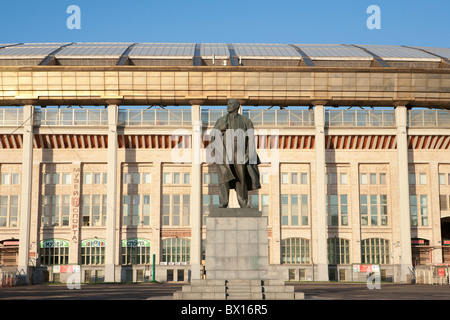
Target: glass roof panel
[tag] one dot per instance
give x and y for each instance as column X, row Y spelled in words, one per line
column 265, row 50
column 174, row 50
column 333, row 51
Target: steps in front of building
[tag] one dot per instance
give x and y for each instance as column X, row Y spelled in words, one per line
column 238, row 290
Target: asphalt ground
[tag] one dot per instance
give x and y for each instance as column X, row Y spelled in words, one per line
column 164, row 291
column 143, row 299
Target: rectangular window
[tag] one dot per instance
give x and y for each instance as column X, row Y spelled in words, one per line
column 264, row 178
column 285, row 178
column 412, row 178
column 373, row 210
column 147, row 178
column 86, row 209
column 344, row 210
column 304, row 178
column 3, row 211
column 206, row 178
column 284, row 210
column 294, row 210
column 364, row 210
column 305, row 210
column 14, row 211
column 5, row 178
column 176, row 178
column 294, row 178
column 422, row 178
column 66, row 178
column 363, row 178
column 104, row 209
column 15, row 178
column 254, row 201
column 332, row 178
column 146, row 210
column 55, row 177
column 136, row 178
column 166, row 210
column 265, row 205
column 87, row 178
column 55, row 210
column 96, row 220
column 442, row 180
column 186, row 209
column 383, row 210
column 186, row 178
column 382, row 178
column 126, row 178
column 343, row 178
column 45, row 211
column 206, row 210
column 443, row 202
column 167, row 178
column 413, row 210
column 126, row 208
column 176, row 210
column 373, row 178
column 97, row 178
column 333, row 210
column 424, row 210
column 136, row 212
column 9, row 211
column 65, row 209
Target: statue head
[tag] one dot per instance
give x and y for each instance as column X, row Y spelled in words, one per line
column 233, row 104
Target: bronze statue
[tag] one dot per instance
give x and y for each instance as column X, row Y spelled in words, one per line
column 235, row 155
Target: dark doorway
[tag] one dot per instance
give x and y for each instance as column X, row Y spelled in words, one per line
column 445, row 238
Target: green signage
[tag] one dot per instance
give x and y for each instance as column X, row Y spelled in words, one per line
column 54, row 243
column 135, row 243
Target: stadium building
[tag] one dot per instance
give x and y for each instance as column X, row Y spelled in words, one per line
column 104, row 145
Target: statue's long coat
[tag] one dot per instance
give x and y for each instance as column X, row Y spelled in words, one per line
column 225, row 170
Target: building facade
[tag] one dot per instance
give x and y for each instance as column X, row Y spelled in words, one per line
column 117, row 192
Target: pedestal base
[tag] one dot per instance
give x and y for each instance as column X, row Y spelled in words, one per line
column 236, row 244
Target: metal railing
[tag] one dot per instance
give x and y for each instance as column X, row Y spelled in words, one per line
column 154, row 117
column 292, row 118
column 360, row 118
column 71, row 117
column 11, row 116
column 260, row 118
column 429, row 118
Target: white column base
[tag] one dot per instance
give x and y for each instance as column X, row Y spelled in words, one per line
column 322, row 272
column 110, row 273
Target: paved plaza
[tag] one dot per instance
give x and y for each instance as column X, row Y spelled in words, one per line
column 313, row 291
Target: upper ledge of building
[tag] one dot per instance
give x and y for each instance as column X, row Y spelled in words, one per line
column 222, row 56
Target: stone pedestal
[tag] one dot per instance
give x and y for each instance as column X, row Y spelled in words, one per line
column 236, row 244
column 237, row 260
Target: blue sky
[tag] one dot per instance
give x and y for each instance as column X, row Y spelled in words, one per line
column 412, row 22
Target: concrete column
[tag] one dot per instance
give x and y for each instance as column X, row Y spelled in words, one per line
column 403, row 192
column 275, row 212
column 26, row 192
column 196, row 194
column 434, row 214
column 111, row 211
column 355, row 214
column 320, row 230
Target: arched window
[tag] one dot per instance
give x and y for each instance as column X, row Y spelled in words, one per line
column 338, row 251
column 295, row 250
column 375, row 251
column 176, row 250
